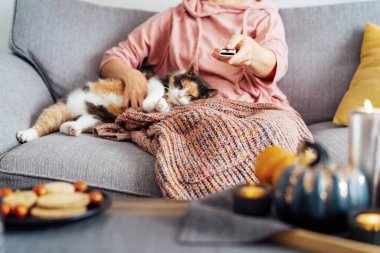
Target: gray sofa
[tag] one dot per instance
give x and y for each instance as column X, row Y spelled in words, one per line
column 57, row 45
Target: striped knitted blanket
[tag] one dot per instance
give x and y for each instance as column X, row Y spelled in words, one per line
column 210, row 145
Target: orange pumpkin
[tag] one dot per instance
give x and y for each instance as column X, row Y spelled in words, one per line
column 271, row 162
column 282, row 165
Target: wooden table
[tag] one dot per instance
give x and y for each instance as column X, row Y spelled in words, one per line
column 297, row 238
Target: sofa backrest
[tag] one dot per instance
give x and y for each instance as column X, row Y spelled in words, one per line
column 324, row 52
column 65, row 39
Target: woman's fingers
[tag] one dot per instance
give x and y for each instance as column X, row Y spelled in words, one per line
column 215, row 54
column 247, row 62
column 126, row 101
column 216, row 51
column 243, row 55
column 135, row 89
column 140, row 100
column 234, row 41
column 241, row 58
column 134, row 102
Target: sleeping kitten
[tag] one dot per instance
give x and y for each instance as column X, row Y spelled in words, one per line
column 102, row 101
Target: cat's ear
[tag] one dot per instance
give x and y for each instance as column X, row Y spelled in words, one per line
column 212, row 92
column 190, row 70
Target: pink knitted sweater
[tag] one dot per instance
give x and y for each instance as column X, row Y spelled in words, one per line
column 187, row 33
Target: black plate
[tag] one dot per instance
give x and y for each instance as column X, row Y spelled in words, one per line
column 30, row 222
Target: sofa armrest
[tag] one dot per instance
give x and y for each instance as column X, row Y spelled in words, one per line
column 23, row 95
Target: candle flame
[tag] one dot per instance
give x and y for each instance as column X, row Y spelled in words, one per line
column 368, row 106
column 252, row 192
column 369, row 221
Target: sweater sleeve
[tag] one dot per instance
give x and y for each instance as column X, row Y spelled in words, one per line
column 270, row 34
column 147, row 42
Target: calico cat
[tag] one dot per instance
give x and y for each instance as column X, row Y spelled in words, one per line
column 102, row 101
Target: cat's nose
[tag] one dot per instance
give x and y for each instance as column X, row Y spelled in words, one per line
column 181, row 95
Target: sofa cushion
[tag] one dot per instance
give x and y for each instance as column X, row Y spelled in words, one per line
column 334, row 138
column 365, row 84
column 65, row 39
column 23, row 96
column 117, row 166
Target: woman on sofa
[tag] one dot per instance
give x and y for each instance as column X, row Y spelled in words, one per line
column 232, row 131
column 195, row 31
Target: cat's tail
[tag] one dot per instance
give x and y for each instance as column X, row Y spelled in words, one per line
column 48, row 122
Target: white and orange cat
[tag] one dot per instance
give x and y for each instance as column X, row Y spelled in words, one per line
column 102, row 101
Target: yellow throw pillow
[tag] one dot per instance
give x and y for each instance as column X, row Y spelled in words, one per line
column 366, row 81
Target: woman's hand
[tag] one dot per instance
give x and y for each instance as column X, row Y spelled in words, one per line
column 135, row 82
column 135, row 88
column 260, row 60
column 245, row 47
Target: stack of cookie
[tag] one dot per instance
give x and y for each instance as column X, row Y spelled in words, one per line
column 61, row 201
column 50, row 201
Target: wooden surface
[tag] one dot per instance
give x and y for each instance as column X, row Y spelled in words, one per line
column 296, row 238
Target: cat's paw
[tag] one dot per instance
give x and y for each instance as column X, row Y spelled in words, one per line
column 27, row 135
column 70, row 128
column 149, row 105
column 162, row 105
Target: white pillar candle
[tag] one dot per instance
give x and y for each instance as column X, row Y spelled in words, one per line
column 364, row 148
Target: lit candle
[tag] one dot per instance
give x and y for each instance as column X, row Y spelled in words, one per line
column 253, row 200
column 369, row 221
column 365, row 226
column 252, row 192
column 364, row 148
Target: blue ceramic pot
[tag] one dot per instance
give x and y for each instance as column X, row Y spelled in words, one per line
column 320, row 195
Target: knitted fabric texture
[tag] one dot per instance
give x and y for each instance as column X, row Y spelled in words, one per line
column 210, row 145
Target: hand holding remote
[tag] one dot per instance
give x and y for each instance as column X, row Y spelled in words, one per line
column 245, row 47
column 249, row 53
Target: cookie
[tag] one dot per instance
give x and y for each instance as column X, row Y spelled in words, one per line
column 27, row 198
column 43, row 213
column 63, row 200
column 59, row 187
